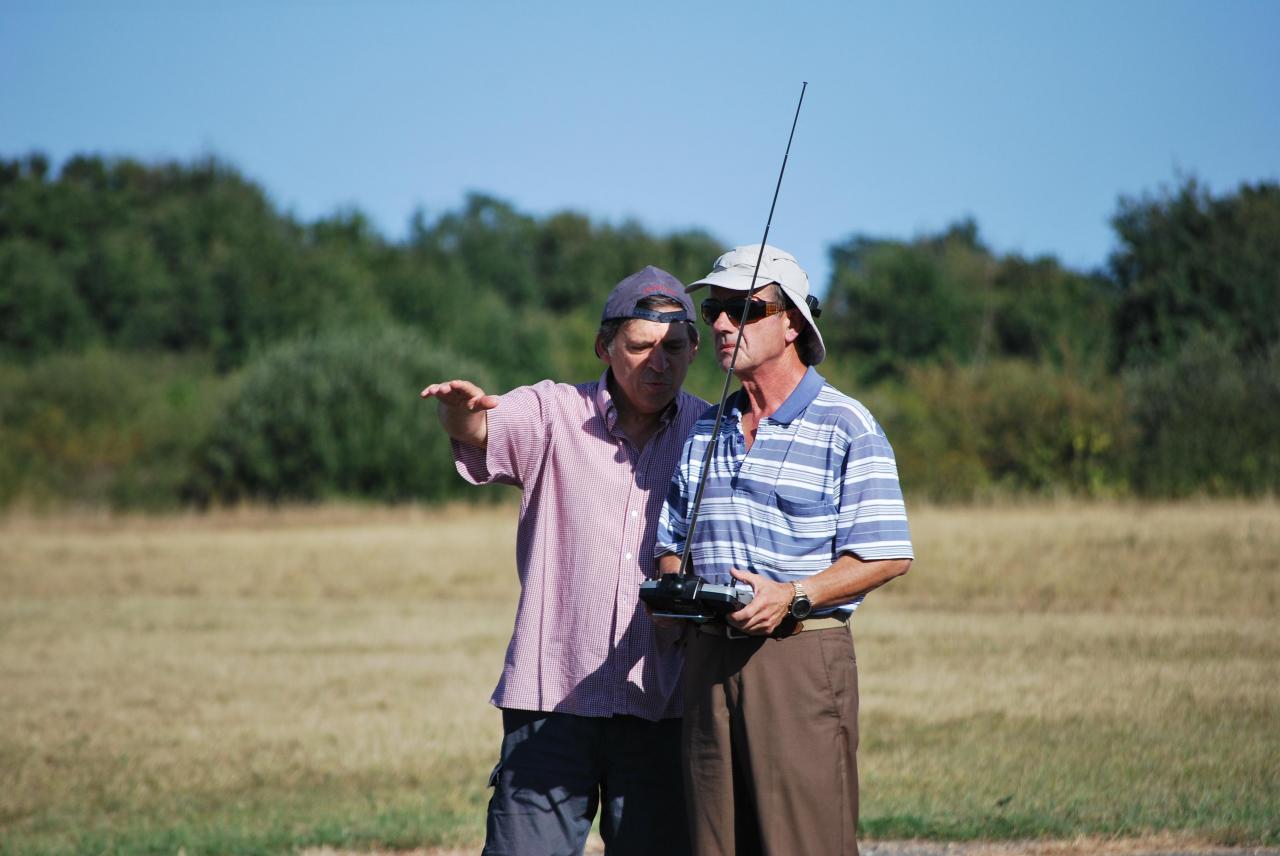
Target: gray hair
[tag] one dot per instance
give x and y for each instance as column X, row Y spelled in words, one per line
column 806, row 343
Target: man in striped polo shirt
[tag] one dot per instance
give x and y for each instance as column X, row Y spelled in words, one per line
column 590, row 690
column 802, row 505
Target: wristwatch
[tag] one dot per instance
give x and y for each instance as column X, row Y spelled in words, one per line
column 801, row 606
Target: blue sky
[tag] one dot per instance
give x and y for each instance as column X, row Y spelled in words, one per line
column 1031, row 117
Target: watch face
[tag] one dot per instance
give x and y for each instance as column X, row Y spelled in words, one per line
column 801, row 607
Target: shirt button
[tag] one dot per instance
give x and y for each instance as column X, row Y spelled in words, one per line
column 633, row 514
column 628, row 555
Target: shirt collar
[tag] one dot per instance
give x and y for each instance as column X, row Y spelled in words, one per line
column 800, row 398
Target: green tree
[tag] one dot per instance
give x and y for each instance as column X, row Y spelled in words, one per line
column 494, row 244
column 129, row 292
column 892, row 305
column 1045, row 312
column 40, row 311
column 1190, row 263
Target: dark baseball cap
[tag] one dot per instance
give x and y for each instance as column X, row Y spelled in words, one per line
column 624, row 301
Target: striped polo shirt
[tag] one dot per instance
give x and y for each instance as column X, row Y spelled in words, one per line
column 819, row 480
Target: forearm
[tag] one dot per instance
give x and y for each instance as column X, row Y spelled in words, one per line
column 668, row 563
column 848, row 577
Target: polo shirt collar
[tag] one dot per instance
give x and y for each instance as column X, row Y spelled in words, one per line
column 799, row 399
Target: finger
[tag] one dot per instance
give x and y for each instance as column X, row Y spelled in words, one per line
column 745, row 615
column 457, row 393
column 756, row 626
column 466, row 387
column 444, row 389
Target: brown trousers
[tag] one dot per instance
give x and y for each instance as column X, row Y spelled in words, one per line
column 770, row 742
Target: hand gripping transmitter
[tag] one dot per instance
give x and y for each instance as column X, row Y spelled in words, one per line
column 688, row 597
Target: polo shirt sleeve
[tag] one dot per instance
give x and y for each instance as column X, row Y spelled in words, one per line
column 872, row 522
column 518, row 436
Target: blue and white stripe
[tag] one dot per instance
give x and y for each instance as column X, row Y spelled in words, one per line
column 820, row 480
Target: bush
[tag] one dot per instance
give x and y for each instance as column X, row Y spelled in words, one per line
column 102, row 427
column 1006, row 427
column 1208, row 421
column 335, row 415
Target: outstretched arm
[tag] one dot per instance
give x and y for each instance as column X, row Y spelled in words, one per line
column 463, row 408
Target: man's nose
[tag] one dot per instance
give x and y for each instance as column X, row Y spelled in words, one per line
column 722, row 324
column 658, row 359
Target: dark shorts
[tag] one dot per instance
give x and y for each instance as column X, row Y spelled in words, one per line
column 557, row 769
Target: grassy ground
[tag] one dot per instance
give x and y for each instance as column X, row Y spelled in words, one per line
column 255, row 682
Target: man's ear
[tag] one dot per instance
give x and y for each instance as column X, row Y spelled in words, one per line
column 795, row 325
column 601, row 351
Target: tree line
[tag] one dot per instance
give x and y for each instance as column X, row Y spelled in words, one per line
column 168, row 336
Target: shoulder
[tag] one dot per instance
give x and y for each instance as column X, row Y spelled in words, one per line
column 550, row 400
column 837, row 410
column 539, row 389
column 550, row 390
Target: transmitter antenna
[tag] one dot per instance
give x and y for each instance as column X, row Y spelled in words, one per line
column 742, row 323
column 683, row 595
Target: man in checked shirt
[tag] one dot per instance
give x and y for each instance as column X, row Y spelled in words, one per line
column 590, row 690
column 801, row 504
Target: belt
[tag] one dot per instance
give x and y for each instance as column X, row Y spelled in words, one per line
column 728, row 631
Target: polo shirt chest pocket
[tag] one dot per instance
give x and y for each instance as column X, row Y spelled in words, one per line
column 787, row 528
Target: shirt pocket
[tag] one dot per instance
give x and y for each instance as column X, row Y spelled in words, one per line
column 789, row 530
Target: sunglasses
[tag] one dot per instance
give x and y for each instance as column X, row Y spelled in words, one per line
column 734, row 307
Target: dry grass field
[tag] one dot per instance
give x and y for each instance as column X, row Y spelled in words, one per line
column 258, row 681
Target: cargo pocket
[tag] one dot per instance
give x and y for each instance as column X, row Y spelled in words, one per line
column 493, row 777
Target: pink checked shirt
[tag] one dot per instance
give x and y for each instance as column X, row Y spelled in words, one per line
column 583, row 643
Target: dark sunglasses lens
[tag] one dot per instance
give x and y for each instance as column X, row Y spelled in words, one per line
column 711, row 309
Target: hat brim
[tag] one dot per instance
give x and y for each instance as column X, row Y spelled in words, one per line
column 735, row 280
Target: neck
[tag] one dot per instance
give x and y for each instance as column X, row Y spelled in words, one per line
column 767, row 387
column 637, row 425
